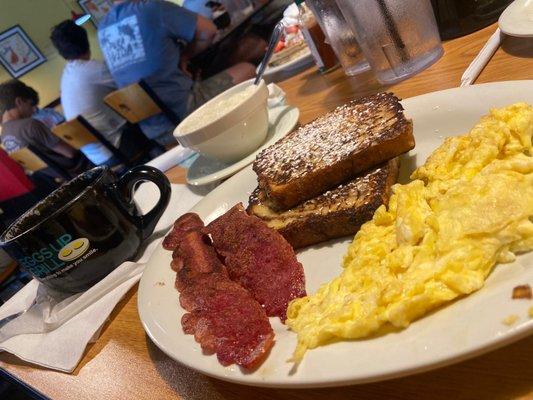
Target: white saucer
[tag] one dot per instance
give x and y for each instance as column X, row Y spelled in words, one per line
column 291, row 68
column 517, row 19
column 281, row 120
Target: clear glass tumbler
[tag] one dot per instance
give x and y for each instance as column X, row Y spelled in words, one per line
column 398, row 38
column 339, row 35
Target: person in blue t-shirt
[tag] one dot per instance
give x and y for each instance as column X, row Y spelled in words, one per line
column 149, row 40
column 199, row 7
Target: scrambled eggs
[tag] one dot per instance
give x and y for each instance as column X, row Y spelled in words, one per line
column 467, row 208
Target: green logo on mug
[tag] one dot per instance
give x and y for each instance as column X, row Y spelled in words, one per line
column 46, row 261
column 54, row 259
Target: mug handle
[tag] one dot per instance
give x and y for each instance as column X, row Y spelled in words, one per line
column 126, row 185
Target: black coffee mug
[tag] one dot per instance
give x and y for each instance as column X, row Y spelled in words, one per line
column 82, row 231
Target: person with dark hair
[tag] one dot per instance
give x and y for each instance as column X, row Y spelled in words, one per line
column 19, row 129
column 148, row 40
column 84, row 84
column 71, row 40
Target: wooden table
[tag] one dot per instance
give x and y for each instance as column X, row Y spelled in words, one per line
column 124, row 364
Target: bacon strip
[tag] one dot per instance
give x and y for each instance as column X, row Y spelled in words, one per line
column 223, row 317
column 183, row 224
column 258, row 258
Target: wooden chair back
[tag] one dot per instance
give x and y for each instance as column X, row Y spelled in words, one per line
column 75, row 133
column 78, row 132
column 28, row 159
column 133, row 103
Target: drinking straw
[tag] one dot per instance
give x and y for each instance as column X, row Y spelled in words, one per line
column 393, row 29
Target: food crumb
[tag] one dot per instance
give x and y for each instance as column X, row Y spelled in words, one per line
column 160, row 283
column 511, row 319
column 522, row 292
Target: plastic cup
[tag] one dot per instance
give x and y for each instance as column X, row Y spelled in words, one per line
column 398, row 38
column 339, row 35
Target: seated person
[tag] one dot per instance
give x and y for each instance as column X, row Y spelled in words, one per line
column 84, row 84
column 143, row 40
column 19, row 130
column 19, row 192
column 212, row 10
column 240, row 44
column 199, row 7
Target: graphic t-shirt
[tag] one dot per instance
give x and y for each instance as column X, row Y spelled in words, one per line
column 21, row 133
column 140, row 40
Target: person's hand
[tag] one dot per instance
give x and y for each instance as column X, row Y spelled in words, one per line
column 184, row 66
column 219, row 7
column 215, row 6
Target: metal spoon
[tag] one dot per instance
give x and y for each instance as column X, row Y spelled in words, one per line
column 274, row 39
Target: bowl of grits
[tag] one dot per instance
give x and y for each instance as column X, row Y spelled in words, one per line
column 230, row 126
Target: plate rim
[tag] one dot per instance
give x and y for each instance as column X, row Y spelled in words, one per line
column 518, row 333
column 287, row 66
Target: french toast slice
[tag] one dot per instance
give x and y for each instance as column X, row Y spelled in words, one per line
column 332, row 149
column 336, row 213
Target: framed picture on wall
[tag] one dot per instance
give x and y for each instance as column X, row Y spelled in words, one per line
column 97, row 9
column 18, row 54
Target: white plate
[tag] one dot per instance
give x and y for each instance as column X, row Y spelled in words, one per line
column 517, row 19
column 291, row 68
column 281, row 120
column 463, row 329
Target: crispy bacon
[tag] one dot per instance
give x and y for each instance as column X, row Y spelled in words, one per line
column 231, row 282
column 223, row 317
column 196, row 257
column 258, row 258
column 183, row 224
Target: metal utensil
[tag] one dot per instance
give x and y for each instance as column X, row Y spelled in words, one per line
column 274, row 39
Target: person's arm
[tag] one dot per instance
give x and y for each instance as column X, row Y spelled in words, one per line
column 37, row 132
column 203, row 36
column 183, row 25
column 65, row 149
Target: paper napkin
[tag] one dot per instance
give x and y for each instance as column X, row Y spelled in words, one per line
column 171, row 158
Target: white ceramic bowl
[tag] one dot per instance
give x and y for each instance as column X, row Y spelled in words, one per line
column 235, row 133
